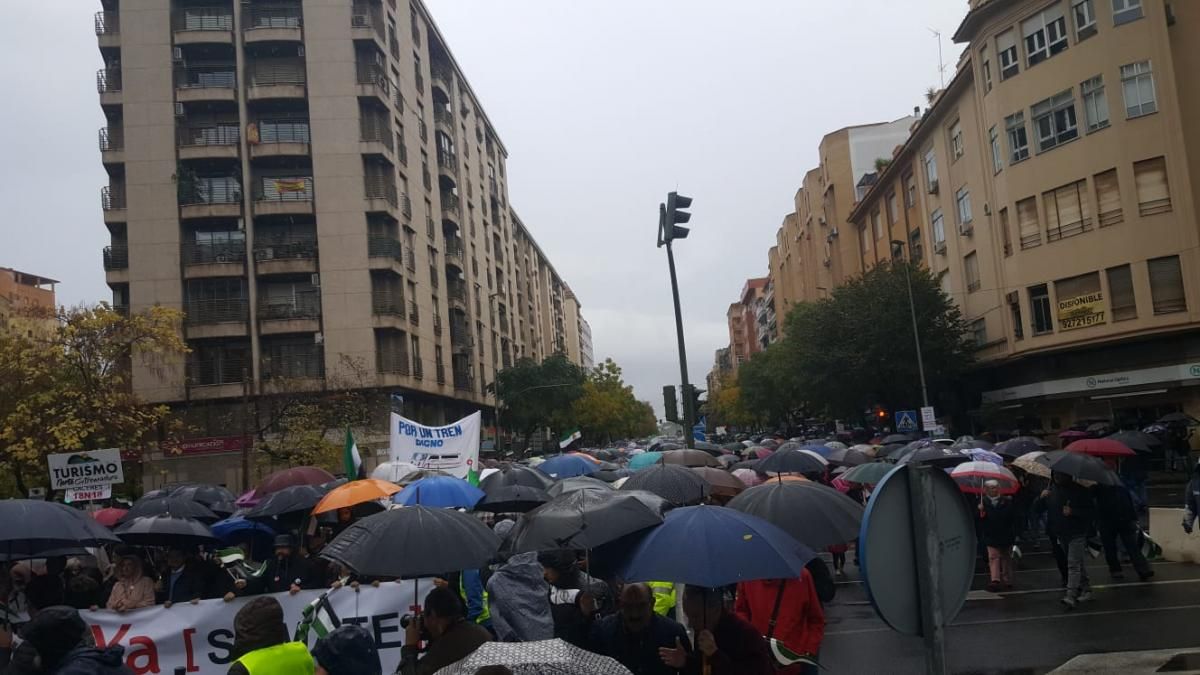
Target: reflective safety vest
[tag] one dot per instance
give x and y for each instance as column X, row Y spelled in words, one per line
column 664, row 596
column 485, row 614
column 289, row 658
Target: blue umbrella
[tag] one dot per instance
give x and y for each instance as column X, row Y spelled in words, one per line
column 237, row 529
column 819, row 448
column 440, row 491
column 644, row 460
column 715, row 546
column 567, row 466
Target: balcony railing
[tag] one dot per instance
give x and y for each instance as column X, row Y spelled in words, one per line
column 460, row 335
column 420, row 82
column 216, row 368
column 370, row 73
column 202, row 18
column 375, row 129
column 447, row 160
column 437, row 324
column 285, row 247
column 284, row 189
column 205, row 77
column 450, row 202
column 112, row 197
column 406, row 206
column 387, row 303
column 393, row 360
column 384, row 247
column 293, row 361
column 454, row 247
column 275, row 17
column 116, row 257
column 462, row 382
column 443, row 116
column 361, row 16
column 417, row 370
column 298, row 305
column 410, row 259
column 283, row 131
column 112, row 139
column 267, row 72
column 222, row 310
column 219, row 190
column 122, row 309
column 457, row 290
column 108, row 23
column 379, row 186
column 108, row 80
column 414, row 315
column 213, row 252
column 212, row 134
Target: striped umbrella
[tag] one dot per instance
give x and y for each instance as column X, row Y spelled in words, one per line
column 971, row 477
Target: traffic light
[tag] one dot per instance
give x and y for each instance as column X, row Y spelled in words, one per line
column 670, row 215
column 696, row 403
column 671, row 405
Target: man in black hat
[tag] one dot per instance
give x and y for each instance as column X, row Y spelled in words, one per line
column 348, row 650
column 287, row 571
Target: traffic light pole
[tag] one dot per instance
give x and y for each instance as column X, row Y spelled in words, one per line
column 689, row 413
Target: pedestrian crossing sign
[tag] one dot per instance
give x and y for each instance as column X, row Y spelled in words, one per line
column 906, row 421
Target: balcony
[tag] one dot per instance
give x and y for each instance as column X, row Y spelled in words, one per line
column 112, row 200
column 454, row 250
column 108, row 29
column 108, row 84
column 440, row 371
column 447, row 164
column 213, row 141
column 205, row 83
column 281, row 138
column 112, row 145
column 451, row 207
column 277, row 23
column 441, row 75
column 373, row 81
column 437, row 324
column 205, row 259
column 374, row 134
column 380, row 192
column 222, row 317
column 202, row 25
column 214, row 367
column 275, row 79
column 116, row 257
column 295, row 312
column 444, row 119
column 463, row 381
column 293, row 362
column 385, row 247
column 215, row 197
column 388, row 308
column 283, row 195
column 285, row 254
column 456, row 291
column 366, row 23
column 460, row 336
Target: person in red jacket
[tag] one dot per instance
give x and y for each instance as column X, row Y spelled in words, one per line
column 799, row 618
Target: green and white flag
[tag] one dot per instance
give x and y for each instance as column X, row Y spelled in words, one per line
column 569, row 439
column 317, row 617
column 351, row 459
column 784, row 656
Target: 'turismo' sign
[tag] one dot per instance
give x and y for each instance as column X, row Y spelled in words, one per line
column 93, row 468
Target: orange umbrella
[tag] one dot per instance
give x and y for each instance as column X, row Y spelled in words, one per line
column 355, row 492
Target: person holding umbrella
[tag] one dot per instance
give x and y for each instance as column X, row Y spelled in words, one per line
column 786, row 610
column 287, row 571
column 131, row 590
column 998, row 528
column 1191, row 501
column 1070, row 511
column 732, row 646
column 634, row 635
column 575, row 596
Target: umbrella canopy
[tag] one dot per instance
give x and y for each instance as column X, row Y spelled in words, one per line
column 721, row 483
column 577, row 483
column 440, row 492
column 748, row 477
column 414, row 541
column 611, row 475
column 1138, row 441
column 568, row 466
column 1071, row 434
column 543, row 657
column 937, row 455
column 1079, row 466
column 355, row 492
column 678, row 485
column 848, row 457
column 644, row 460
column 689, row 457
column 791, row 461
column 512, row 499
column 110, row 516
column 763, row 453
column 1029, row 464
column 815, row 455
column 711, row 448
column 868, row 474
column 895, row 438
column 237, row 529
column 516, row 475
column 286, row 501
column 1015, row 447
column 981, row 455
column 393, row 472
column 1179, row 418
column 733, row 447
column 816, row 515
column 169, row 506
column 715, row 546
column 818, row 448
column 972, row 475
column 33, row 528
column 299, row 475
column 866, row 449
column 1100, row 447
column 835, row 445
column 205, row 494
column 247, row 499
column 586, row 519
column 164, row 531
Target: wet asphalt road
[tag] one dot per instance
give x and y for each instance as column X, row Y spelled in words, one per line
column 1025, row 630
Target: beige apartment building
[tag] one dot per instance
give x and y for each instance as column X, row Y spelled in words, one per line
column 316, row 185
column 24, row 297
column 1051, row 185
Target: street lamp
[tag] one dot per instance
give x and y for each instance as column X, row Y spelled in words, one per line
column 495, row 375
column 897, row 247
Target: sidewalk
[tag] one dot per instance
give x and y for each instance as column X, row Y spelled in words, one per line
column 1133, row 663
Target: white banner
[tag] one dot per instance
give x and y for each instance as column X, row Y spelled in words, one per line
column 453, row 448
column 200, row 637
column 85, row 469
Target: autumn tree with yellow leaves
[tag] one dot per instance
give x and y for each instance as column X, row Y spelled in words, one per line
column 608, row 411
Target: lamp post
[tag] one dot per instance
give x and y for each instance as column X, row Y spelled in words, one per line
column 898, row 246
column 496, row 377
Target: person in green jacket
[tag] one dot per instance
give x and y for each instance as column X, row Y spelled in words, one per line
column 261, row 644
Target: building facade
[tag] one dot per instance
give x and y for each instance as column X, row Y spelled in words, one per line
column 26, row 303
column 316, row 185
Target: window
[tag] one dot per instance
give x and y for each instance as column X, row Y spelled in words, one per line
column 1166, row 285
column 1014, row 311
column 916, row 252
column 985, row 69
column 931, row 176
column 956, row 139
column 1108, row 198
column 979, row 332
column 1079, row 302
column 1045, row 35
column 1018, row 138
column 1125, row 11
column 1027, row 223
column 1120, row 293
column 939, row 230
column 876, row 226
column 893, row 209
column 971, row 270
column 910, row 194
column 1054, row 121
column 1137, row 82
column 962, row 200
column 1153, row 192
column 1006, row 47
column 1095, row 104
column 997, row 153
column 1005, row 234
column 1067, row 211
column 864, row 241
column 1084, row 12
column 1039, row 307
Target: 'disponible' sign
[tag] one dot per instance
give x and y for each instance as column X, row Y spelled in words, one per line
column 1081, row 311
column 92, row 468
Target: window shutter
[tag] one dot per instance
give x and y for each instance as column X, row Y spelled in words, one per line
column 1027, row 223
column 1150, row 179
column 1166, row 285
column 1120, row 292
column 1108, row 198
column 1006, row 40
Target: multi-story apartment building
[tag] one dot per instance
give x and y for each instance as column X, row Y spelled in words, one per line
column 764, row 315
column 316, row 185
column 26, row 303
column 1051, row 186
column 587, row 357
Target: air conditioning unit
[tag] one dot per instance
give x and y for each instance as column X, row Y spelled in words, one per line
column 316, row 279
column 178, row 109
column 966, row 229
column 360, row 21
column 222, row 258
column 266, row 254
column 1012, row 298
column 177, row 54
column 319, row 338
column 933, row 187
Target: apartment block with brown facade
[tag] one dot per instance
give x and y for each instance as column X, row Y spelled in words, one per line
column 26, row 303
column 316, row 185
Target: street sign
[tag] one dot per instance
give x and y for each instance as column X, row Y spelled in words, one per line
column 917, row 548
column 928, row 417
column 906, row 421
column 88, row 494
column 88, row 469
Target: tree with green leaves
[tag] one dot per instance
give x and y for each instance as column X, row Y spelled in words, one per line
column 608, row 410
column 536, row 395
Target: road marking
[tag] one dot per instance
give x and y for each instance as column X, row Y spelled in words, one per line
column 1059, row 615
column 1129, row 584
column 855, row 582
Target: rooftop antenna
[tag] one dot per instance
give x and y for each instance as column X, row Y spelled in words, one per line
column 941, row 64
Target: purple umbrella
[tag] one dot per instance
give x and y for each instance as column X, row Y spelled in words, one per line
column 981, row 455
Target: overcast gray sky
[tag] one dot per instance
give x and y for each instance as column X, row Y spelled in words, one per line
column 604, row 106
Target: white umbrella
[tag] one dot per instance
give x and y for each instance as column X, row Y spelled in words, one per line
column 392, row 472
column 543, row 657
column 1028, row 463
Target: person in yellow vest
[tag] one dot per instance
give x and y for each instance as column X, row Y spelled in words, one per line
column 261, row 644
column 475, row 596
column 664, row 597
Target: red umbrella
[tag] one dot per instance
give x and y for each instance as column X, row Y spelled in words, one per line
column 1101, row 447
column 108, row 517
column 300, row 475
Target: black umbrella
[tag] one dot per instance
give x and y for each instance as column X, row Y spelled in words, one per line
column 1138, row 441
column 414, row 541
column 1079, row 466
column 586, row 519
column 937, row 455
column 223, row 508
column 33, row 528
column 607, row 455
column 517, row 475
column 689, row 457
column 576, row 483
column 611, row 475
column 164, row 531
column 1179, row 418
column 513, row 499
column 848, row 457
column 1015, row 447
column 790, row 445
column 678, row 485
column 816, row 515
column 790, row 461
column 971, row 445
column 169, row 506
column 895, row 438
column 295, row 499
column 751, row 464
column 205, row 494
